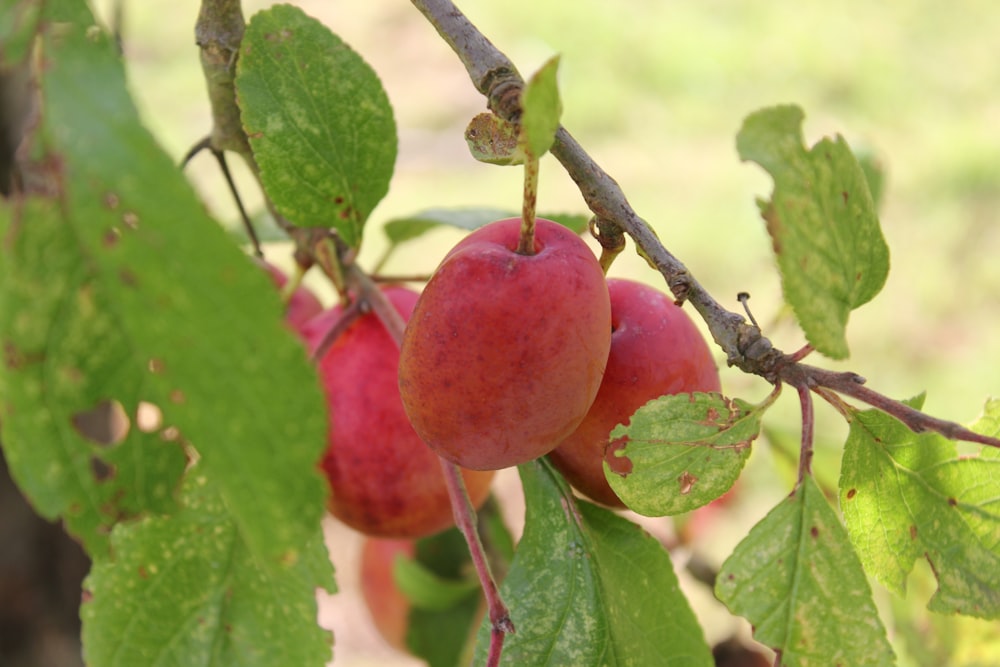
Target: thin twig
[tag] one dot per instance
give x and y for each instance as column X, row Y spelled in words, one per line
column 465, row 520
column 851, row 384
column 388, row 278
column 220, row 157
column 349, row 315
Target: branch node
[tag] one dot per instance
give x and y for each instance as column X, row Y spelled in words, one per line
column 680, row 285
column 504, row 96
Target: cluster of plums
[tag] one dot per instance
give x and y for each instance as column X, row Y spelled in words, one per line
column 506, row 357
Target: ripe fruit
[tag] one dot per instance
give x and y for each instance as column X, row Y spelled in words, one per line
column 655, row 350
column 302, row 306
column 384, row 480
column 505, row 352
column 389, row 608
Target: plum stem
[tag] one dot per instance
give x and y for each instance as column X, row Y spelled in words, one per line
column 611, row 238
column 352, row 312
column 526, row 244
column 220, row 157
column 369, row 293
column 465, row 520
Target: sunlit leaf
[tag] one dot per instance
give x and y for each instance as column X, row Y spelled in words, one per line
column 907, row 496
column 319, row 122
column 989, row 424
column 541, row 110
column 796, row 578
column 410, row 227
column 822, row 221
column 413, row 226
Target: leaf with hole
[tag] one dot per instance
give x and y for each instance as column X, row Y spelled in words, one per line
column 682, row 451
column 70, row 409
column 146, row 300
column 188, row 590
column 493, row 140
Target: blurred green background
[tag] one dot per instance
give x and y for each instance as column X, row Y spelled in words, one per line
column 656, row 91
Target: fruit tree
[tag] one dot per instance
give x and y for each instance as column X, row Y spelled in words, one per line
column 208, row 408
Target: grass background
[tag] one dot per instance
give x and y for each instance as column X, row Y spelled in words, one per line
column 656, row 92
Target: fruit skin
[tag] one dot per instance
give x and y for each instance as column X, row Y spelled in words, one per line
column 302, row 306
column 505, row 352
column 655, row 350
column 389, row 607
column 384, row 480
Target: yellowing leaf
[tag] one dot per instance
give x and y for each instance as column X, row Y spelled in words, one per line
column 822, row 221
column 796, row 578
column 907, row 496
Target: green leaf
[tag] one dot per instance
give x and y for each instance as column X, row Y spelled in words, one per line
column 200, row 333
column 493, row 140
column 797, row 580
column 541, row 110
column 588, row 587
column 441, row 636
column 61, row 389
column 188, row 590
column 906, row 495
column 319, row 122
column 427, row 590
column 399, row 230
column 940, row 639
column 18, row 25
column 682, row 451
column 822, row 221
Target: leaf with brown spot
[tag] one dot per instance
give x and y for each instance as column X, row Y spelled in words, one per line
column 916, row 498
column 319, row 121
column 189, row 591
column 797, row 580
column 684, row 451
column 822, row 221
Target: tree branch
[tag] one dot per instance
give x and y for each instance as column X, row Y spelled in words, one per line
column 218, row 33
column 494, row 75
